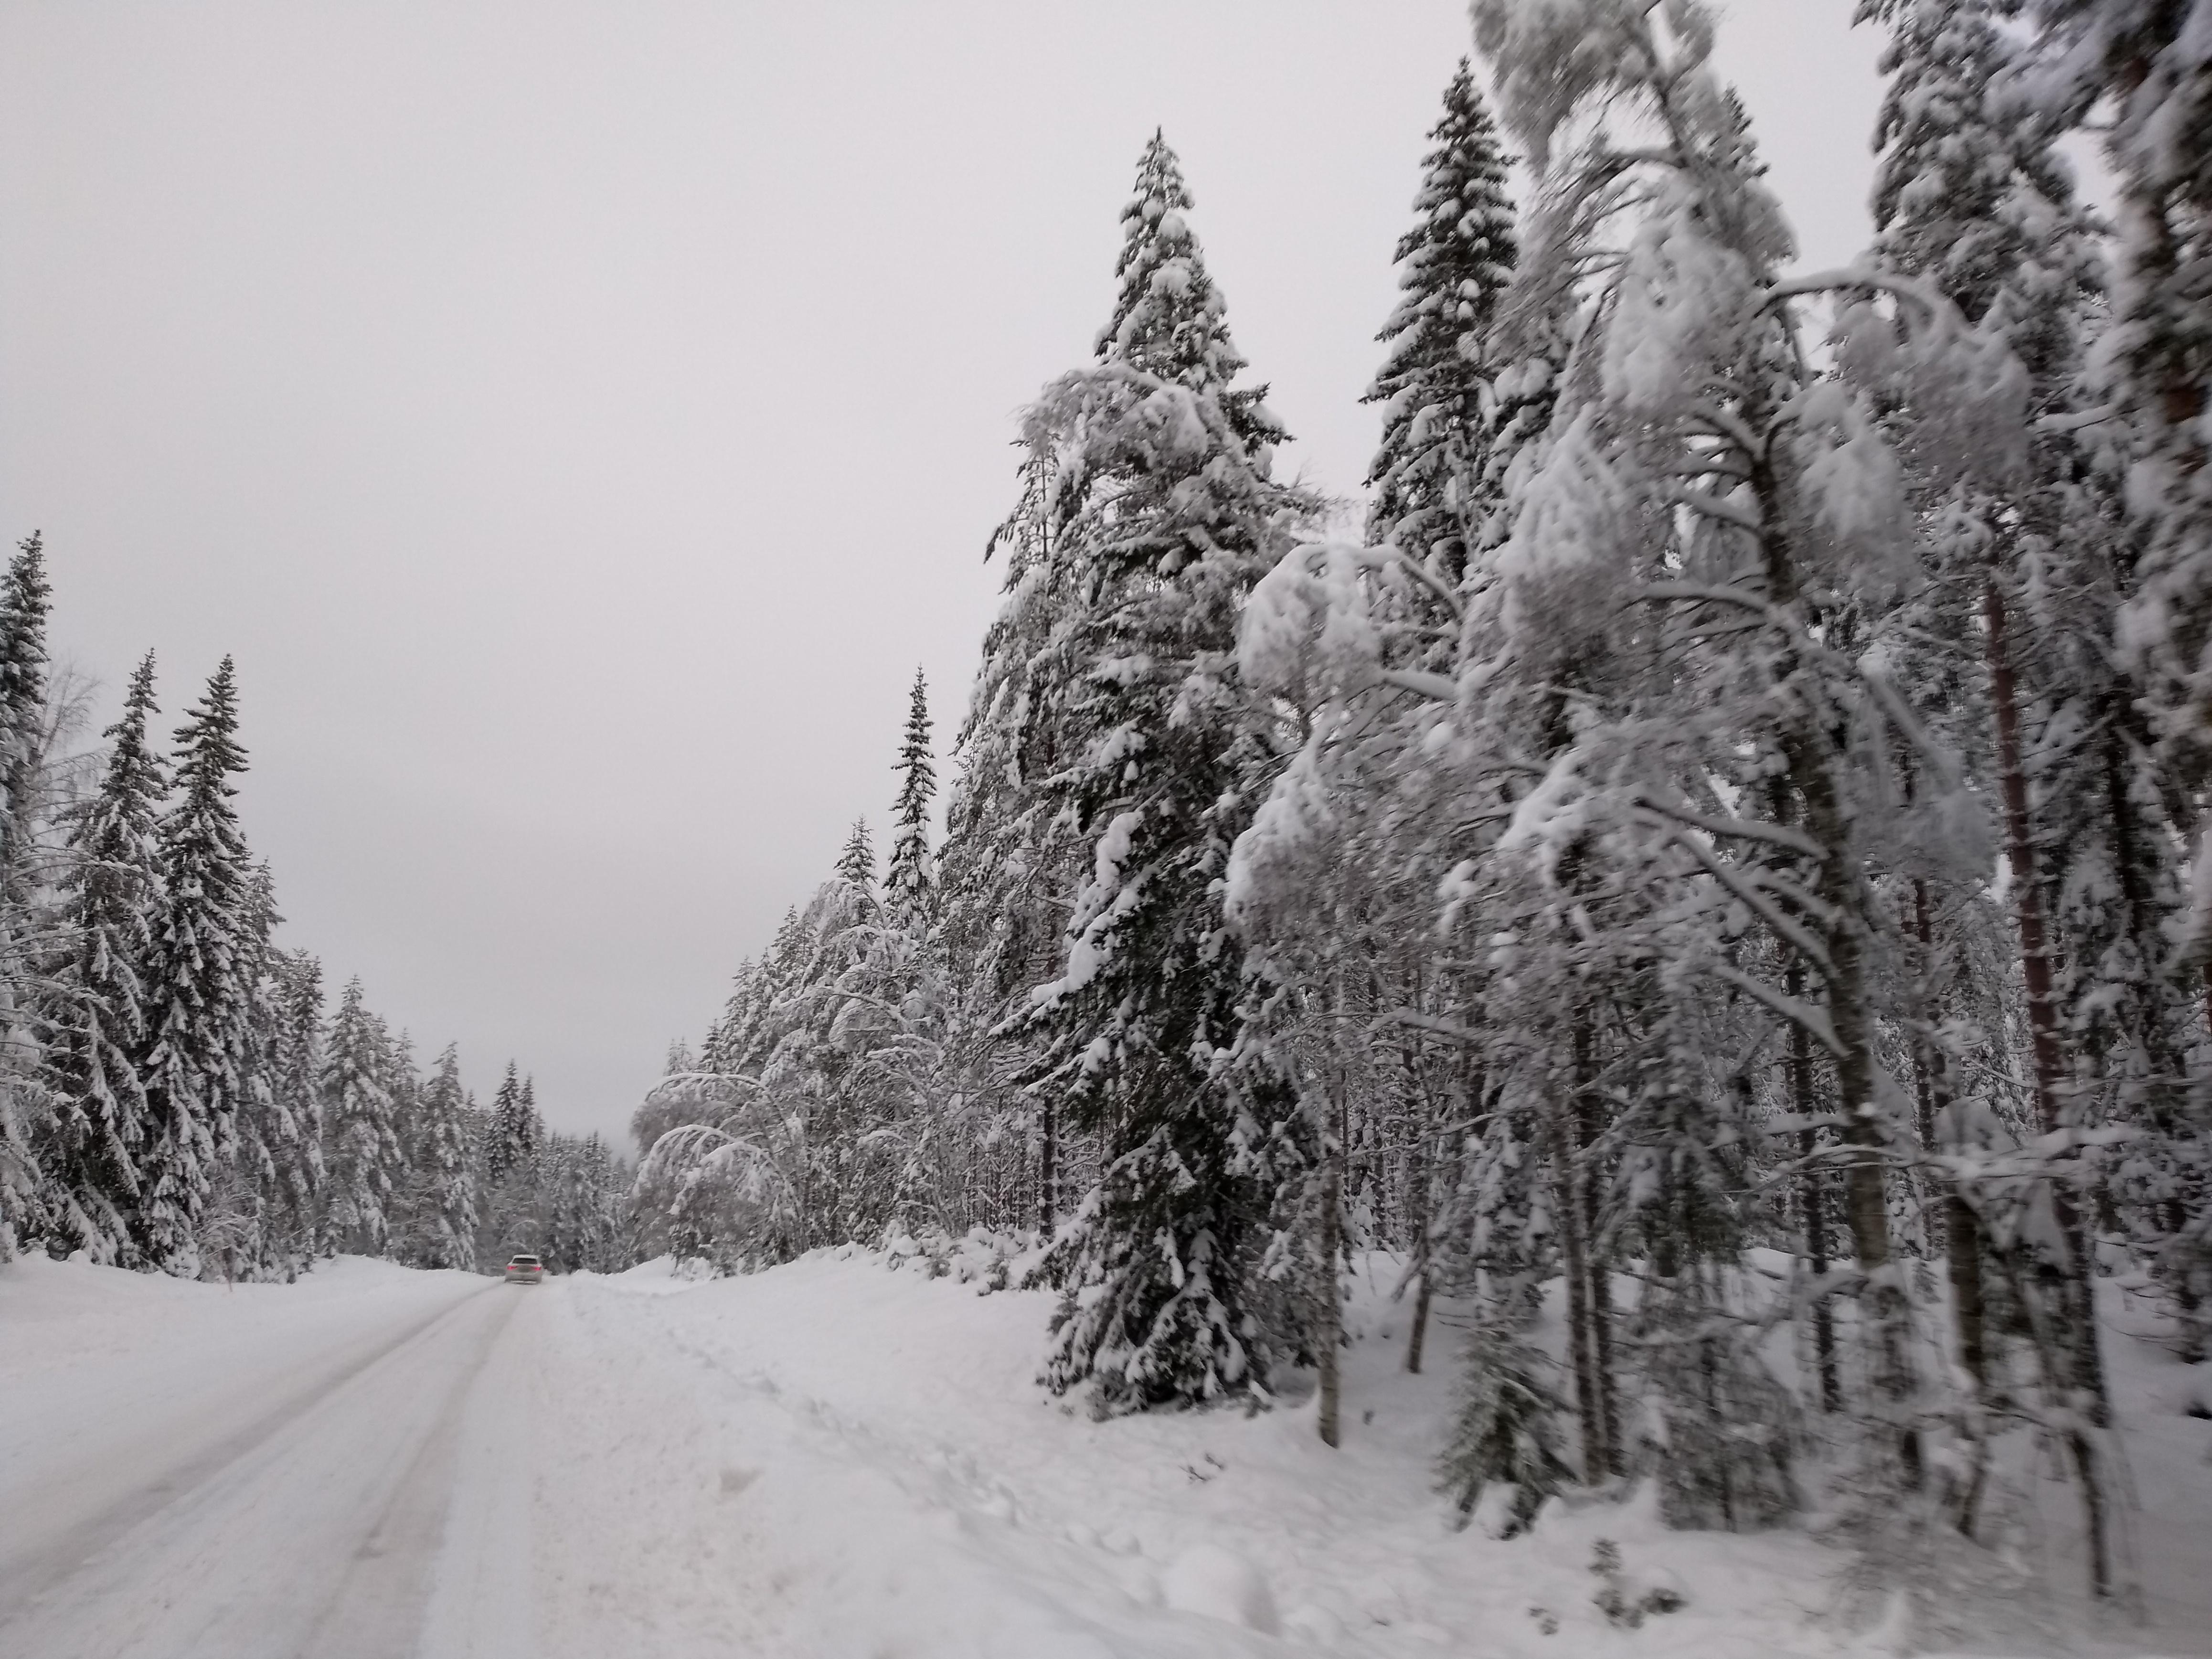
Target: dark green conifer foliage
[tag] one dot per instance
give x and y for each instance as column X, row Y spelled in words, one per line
column 359, row 1112
column 111, row 899
column 910, row 881
column 856, row 862
column 514, row 1135
column 25, row 601
column 1164, row 518
column 1439, row 407
column 1168, row 317
column 198, row 988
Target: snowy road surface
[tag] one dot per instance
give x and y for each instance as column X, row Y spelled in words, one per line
column 293, row 1487
column 830, row 1461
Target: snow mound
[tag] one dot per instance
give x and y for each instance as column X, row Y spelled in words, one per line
column 1219, row 1584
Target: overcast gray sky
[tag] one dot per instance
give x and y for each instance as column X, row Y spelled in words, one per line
column 580, row 419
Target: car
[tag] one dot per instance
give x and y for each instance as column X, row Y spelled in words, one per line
column 525, row 1270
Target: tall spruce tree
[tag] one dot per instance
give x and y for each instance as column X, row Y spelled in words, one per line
column 910, row 879
column 295, row 1060
column 26, row 599
column 513, row 1139
column 359, row 1115
column 856, row 860
column 198, row 987
column 1436, row 385
column 1165, row 517
column 446, row 1224
column 111, row 902
column 24, row 1103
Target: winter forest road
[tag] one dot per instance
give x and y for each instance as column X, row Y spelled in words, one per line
column 345, row 1481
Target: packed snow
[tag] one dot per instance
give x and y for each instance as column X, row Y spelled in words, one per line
column 843, row 1457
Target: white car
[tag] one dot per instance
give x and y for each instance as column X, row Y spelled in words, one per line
column 525, row 1270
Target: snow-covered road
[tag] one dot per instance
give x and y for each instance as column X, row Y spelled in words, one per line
column 824, row 1461
column 317, row 1469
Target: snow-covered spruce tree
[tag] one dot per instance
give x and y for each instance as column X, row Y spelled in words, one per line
column 2149, row 62
column 910, row 882
column 247, row 1234
column 856, row 860
column 512, row 1137
column 358, row 1122
column 1163, row 516
column 24, row 602
column 1438, row 402
column 26, row 599
column 111, row 900
column 1334, row 885
column 2149, row 66
column 443, row 1215
column 197, row 986
column 1008, row 867
column 294, row 1075
column 1505, row 1432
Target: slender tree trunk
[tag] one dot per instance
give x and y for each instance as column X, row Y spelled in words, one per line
column 1839, row 884
column 1589, row 1125
column 1417, row 1236
column 2079, row 1340
column 1866, row 1206
column 1962, row 1227
column 1329, row 1335
column 1048, row 1155
column 1812, row 1207
column 1574, row 1268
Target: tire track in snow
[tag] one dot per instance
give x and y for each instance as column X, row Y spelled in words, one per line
column 314, row 1530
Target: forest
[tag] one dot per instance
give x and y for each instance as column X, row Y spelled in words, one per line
column 175, row 1096
column 1703, row 865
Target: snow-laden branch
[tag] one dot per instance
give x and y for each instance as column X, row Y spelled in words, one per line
column 1853, row 277
column 1814, row 1020
column 1437, row 688
column 1785, row 927
column 1743, row 828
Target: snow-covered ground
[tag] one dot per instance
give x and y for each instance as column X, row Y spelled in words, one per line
column 830, row 1459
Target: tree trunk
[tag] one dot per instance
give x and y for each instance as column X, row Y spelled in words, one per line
column 1866, row 1207
column 1574, row 1268
column 1329, row 1334
column 1813, row 1210
column 2078, row 1285
column 1962, row 1227
column 1589, row 1125
column 1048, row 1152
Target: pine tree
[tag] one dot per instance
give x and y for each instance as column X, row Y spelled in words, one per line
column 272, row 1160
column 513, row 1132
column 24, row 1104
column 26, row 599
column 1170, row 319
column 359, row 1118
column 2149, row 62
column 856, row 861
column 1009, row 862
column 449, row 1210
column 1439, row 404
column 199, row 985
column 1165, row 518
column 111, row 897
column 910, row 882
column 295, row 1056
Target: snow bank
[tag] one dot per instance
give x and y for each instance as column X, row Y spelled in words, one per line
column 872, row 1469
